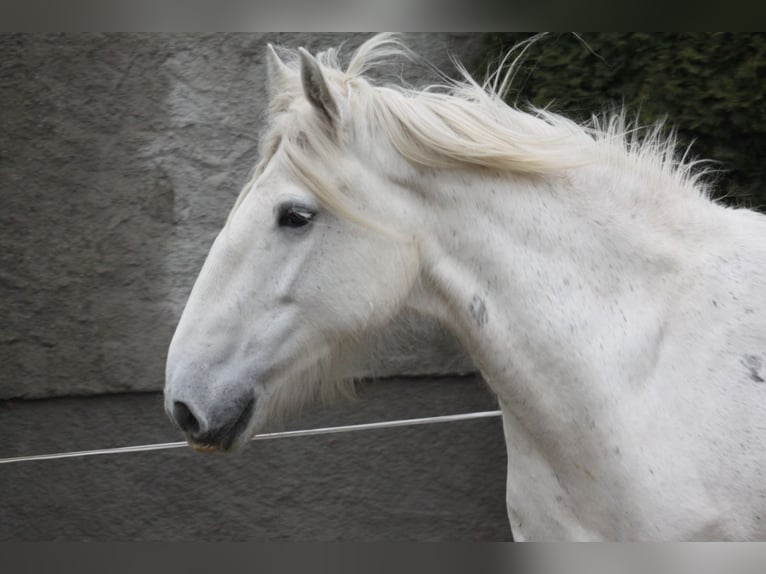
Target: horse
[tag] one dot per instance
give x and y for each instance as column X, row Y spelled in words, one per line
column 615, row 310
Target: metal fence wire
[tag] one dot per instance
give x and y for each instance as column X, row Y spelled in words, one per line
column 265, row 436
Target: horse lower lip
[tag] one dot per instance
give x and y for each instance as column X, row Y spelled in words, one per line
column 199, row 447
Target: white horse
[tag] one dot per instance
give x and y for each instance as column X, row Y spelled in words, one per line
column 617, row 312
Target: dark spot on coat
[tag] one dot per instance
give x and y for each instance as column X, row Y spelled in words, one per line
column 753, row 364
column 478, row 310
column 302, row 140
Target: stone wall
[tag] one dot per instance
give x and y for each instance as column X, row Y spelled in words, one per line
column 120, row 156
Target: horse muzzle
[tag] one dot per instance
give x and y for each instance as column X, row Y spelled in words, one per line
column 224, row 432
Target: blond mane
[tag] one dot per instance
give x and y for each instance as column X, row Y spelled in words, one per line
column 458, row 123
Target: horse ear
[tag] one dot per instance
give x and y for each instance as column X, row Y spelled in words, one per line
column 277, row 72
column 316, row 89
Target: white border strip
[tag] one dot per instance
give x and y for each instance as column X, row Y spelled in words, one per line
column 285, row 434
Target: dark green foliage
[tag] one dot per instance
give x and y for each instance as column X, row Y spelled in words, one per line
column 711, row 87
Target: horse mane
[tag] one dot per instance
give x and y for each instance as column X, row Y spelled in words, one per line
column 466, row 123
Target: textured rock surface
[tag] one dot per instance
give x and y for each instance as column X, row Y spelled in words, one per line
column 120, row 156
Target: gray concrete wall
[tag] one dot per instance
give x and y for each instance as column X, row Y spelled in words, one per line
column 120, row 156
column 433, row 482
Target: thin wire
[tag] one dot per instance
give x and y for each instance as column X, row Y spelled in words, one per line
column 266, row 436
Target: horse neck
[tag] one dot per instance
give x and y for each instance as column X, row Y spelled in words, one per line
column 554, row 287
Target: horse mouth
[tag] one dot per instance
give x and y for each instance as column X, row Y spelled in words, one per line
column 200, row 447
column 227, row 438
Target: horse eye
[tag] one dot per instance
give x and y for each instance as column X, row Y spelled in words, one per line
column 294, row 216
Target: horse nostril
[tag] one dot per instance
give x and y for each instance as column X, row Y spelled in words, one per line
column 184, row 418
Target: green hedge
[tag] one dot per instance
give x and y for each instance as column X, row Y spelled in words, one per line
column 711, row 87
